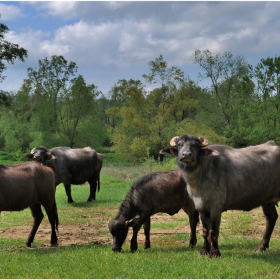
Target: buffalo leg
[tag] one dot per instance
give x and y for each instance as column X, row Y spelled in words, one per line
column 213, row 235
column 271, row 216
column 51, row 211
column 194, row 220
column 93, row 185
column 205, row 231
column 133, row 241
column 147, row 229
column 38, row 215
column 67, row 187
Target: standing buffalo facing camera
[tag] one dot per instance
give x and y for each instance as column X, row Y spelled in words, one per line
column 164, row 192
column 71, row 166
column 222, row 178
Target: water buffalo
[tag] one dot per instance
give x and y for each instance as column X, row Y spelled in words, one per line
column 152, row 193
column 71, row 166
column 222, row 178
column 29, row 185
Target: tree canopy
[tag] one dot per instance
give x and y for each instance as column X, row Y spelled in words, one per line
column 9, row 52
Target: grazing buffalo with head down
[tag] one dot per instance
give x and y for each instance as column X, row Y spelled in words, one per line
column 29, row 185
column 152, row 193
column 221, row 178
column 71, row 166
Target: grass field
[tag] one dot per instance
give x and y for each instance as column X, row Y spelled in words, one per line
column 84, row 249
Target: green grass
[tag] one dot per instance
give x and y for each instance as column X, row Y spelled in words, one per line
column 169, row 256
column 164, row 260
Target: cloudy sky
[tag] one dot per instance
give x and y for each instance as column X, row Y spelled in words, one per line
column 115, row 40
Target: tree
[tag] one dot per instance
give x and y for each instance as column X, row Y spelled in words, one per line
column 49, row 82
column 172, row 101
column 9, row 52
column 120, row 95
column 225, row 72
column 146, row 120
column 17, row 120
column 130, row 111
column 267, row 73
column 76, row 104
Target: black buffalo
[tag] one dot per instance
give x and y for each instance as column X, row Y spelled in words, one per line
column 29, row 185
column 71, row 166
column 152, row 193
column 222, row 178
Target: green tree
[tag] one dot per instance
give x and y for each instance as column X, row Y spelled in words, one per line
column 9, row 52
column 17, row 120
column 49, row 82
column 131, row 112
column 146, row 121
column 267, row 73
column 225, row 72
column 119, row 95
column 75, row 106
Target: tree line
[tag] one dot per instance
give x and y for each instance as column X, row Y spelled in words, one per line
column 55, row 106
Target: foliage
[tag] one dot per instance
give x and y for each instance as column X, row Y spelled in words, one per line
column 225, row 72
column 55, row 106
column 9, row 52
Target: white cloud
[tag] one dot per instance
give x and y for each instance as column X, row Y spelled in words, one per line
column 66, row 9
column 9, row 12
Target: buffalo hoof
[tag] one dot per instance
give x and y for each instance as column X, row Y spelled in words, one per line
column 147, row 246
column 117, row 250
column 214, row 254
column 261, row 248
column 54, row 245
column 133, row 250
column 28, row 245
column 192, row 243
column 203, row 252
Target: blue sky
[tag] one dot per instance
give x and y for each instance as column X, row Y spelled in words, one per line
column 115, row 40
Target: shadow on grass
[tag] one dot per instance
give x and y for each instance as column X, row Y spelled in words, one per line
column 54, row 250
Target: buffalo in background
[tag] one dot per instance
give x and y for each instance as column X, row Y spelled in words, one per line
column 29, row 185
column 164, row 192
column 71, row 166
column 222, row 178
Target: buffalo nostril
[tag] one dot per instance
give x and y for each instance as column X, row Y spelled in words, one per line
column 187, row 154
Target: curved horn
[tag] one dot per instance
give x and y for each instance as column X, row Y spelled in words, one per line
column 204, row 141
column 173, row 141
column 32, row 151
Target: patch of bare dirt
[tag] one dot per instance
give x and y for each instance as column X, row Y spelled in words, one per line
column 68, row 235
column 98, row 233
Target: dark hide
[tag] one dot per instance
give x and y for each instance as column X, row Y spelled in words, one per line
column 221, row 178
column 71, row 166
column 152, row 193
column 29, row 185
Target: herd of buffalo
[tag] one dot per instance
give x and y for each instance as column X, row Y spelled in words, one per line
column 211, row 179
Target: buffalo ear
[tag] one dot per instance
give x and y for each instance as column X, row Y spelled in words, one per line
column 170, row 150
column 204, row 141
column 208, row 152
column 132, row 222
column 29, row 156
column 49, row 156
column 173, row 141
